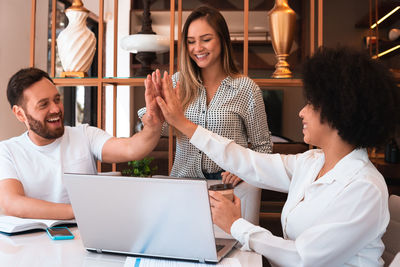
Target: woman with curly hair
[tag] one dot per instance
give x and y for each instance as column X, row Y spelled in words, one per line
column 337, row 206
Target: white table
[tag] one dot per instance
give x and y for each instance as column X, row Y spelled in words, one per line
column 37, row 249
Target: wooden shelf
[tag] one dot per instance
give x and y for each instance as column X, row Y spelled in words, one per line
column 97, row 81
column 279, row 82
column 262, row 82
column 75, row 81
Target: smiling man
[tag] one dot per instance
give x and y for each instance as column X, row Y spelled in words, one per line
column 32, row 164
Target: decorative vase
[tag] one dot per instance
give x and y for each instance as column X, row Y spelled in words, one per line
column 76, row 43
column 282, row 20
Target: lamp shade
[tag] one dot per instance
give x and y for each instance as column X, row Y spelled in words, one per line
column 136, row 43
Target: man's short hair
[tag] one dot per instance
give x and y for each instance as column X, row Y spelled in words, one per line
column 20, row 81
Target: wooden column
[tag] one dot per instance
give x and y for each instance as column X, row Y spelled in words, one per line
column 100, row 84
column 33, row 33
column 320, row 22
column 171, row 70
column 115, row 74
column 312, row 27
column 246, row 38
column 53, row 38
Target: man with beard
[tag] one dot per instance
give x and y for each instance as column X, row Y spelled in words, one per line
column 32, row 164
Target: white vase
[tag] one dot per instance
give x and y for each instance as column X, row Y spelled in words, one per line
column 76, row 43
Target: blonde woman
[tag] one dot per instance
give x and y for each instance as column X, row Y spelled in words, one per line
column 216, row 96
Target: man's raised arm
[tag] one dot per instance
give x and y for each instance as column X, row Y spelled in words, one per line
column 139, row 145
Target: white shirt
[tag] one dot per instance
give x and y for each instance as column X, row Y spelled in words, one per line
column 236, row 111
column 40, row 168
column 337, row 220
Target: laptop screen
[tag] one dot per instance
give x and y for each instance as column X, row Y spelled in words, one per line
column 163, row 217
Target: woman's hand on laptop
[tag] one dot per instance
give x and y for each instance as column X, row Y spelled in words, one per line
column 224, row 212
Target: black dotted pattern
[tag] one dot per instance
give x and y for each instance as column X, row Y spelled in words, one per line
column 236, row 112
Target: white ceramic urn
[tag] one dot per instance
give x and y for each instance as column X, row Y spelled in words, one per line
column 76, row 43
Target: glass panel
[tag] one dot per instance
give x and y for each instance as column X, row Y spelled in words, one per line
column 273, row 100
column 138, row 103
column 80, row 104
column 290, row 101
column 61, row 23
column 123, row 110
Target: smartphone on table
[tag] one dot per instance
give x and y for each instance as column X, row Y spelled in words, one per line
column 59, row 233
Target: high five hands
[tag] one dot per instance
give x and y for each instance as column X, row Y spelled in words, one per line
column 160, row 89
column 167, row 97
column 153, row 116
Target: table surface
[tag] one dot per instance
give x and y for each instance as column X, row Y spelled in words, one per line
column 37, row 249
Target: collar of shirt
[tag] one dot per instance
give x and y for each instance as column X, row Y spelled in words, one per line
column 227, row 81
column 345, row 169
column 48, row 147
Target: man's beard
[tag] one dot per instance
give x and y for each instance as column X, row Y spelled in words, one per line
column 41, row 129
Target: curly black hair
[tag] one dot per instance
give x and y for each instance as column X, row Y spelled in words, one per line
column 355, row 94
column 20, row 81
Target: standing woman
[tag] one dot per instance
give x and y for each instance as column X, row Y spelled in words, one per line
column 216, row 96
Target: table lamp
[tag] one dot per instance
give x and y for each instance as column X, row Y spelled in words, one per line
column 146, row 43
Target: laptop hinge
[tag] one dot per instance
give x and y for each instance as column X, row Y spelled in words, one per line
column 202, row 260
column 98, row 250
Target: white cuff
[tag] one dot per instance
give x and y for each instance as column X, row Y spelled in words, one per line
column 198, row 136
column 241, row 230
column 141, row 112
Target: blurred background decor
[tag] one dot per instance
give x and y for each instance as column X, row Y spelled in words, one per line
column 146, row 43
column 76, row 43
column 282, row 21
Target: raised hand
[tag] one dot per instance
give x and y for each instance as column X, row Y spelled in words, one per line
column 153, row 116
column 172, row 109
column 169, row 103
column 157, row 83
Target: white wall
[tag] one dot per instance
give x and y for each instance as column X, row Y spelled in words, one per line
column 14, row 54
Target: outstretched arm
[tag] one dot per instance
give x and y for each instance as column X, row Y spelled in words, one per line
column 14, row 202
column 139, row 145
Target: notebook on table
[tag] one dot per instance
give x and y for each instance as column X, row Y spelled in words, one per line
column 157, row 217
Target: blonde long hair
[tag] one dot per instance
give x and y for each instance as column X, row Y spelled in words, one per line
column 189, row 77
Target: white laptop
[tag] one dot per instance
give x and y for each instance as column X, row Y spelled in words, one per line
column 157, row 217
